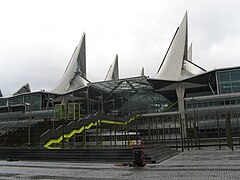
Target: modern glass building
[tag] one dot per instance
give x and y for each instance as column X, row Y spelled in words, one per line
column 183, row 99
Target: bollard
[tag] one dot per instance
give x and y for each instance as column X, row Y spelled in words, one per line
column 138, row 154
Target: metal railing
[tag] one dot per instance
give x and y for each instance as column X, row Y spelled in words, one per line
column 78, row 126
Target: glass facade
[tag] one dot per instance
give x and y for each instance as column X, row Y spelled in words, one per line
column 147, row 102
column 191, row 104
column 228, row 81
column 33, row 99
column 208, row 112
column 126, row 96
column 130, row 103
column 2, row 101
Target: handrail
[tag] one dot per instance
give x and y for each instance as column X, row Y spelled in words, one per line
column 169, row 107
column 45, row 133
column 69, row 126
column 79, row 119
column 70, row 123
column 58, row 128
column 3, row 126
column 78, row 131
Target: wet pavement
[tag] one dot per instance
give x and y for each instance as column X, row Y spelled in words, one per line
column 207, row 163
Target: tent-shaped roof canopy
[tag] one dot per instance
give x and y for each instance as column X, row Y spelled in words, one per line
column 74, row 76
column 176, row 66
column 113, row 72
column 24, row 89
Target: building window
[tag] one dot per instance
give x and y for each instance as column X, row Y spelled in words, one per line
column 233, row 102
column 235, row 80
column 238, row 101
column 216, row 103
column 228, row 81
column 227, row 102
column 210, row 104
column 205, row 104
column 199, row 105
column 221, row 103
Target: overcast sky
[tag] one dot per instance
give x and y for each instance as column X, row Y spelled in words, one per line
column 37, row 38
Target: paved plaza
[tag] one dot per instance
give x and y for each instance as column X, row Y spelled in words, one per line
column 207, row 163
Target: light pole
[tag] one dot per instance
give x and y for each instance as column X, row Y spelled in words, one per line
column 194, row 121
column 8, row 128
column 73, row 107
column 100, row 104
column 50, row 100
column 73, row 115
column 29, row 125
column 87, row 99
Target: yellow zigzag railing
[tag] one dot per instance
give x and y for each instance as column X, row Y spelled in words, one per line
column 78, row 131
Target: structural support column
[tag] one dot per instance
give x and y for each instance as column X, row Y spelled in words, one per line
column 180, row 90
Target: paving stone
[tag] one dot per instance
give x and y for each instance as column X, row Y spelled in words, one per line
column 203, row 164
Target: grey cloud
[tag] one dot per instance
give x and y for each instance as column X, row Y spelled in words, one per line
column 139, row 31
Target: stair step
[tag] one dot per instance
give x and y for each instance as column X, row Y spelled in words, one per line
column 152, row 155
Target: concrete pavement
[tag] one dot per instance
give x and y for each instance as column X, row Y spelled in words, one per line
column 207, row 163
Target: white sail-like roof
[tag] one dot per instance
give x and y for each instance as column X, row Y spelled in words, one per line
column 25, row 88
column 74, row 76
column 177, row 63
column 171, row 66
column 113, row 73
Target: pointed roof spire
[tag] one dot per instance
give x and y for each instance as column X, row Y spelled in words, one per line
column 81, row 58
column 142, row 71
column 25, row 88
column 113, row 72
column 74, row 76
column 1, row 95
column 172, row 63
column 190, row 53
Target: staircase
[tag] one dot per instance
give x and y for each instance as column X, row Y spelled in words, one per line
column 156, row 153
column 84, row 155
column 19, row 136
column 49, row 138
